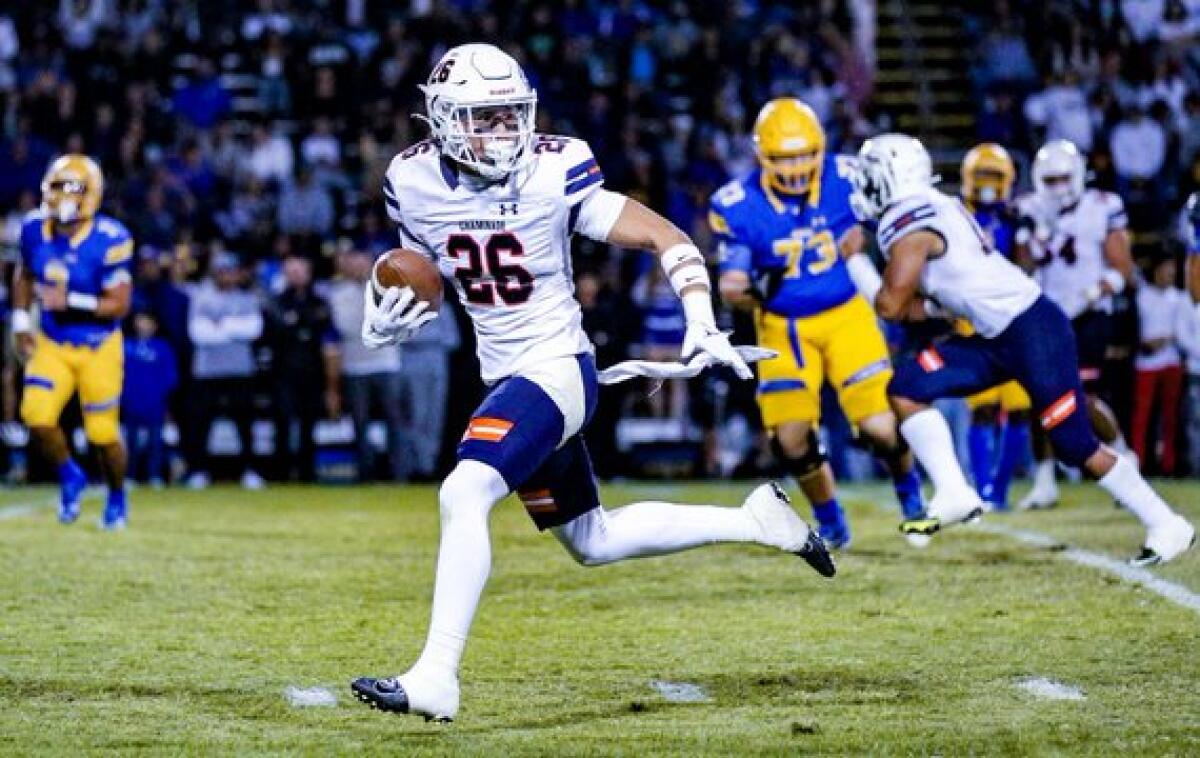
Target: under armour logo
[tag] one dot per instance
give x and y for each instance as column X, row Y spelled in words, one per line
column 506, row 208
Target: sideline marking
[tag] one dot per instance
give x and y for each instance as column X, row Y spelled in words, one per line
column 1142, row 577
column 1136, row 575
column 9, row 512
column 680, row 692
column 309, row 697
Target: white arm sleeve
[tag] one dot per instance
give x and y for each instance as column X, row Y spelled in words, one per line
column 598, row 213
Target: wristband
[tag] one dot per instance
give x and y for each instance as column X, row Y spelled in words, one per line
column 80, row 302
column 1116, row 282
column 865, row 276
column 684, row 266
column 21, row 321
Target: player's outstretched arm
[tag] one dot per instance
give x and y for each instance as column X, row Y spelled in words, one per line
column 639, row 227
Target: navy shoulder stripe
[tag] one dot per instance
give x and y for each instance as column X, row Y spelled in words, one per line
column 582, row 176
column 903, row 221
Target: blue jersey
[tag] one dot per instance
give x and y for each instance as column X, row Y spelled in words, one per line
column 150, row 375
column 999, row 224
column 98, row 256
column 761, row 231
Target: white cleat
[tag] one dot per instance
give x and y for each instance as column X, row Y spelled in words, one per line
column 780, row 526
column 917, row 540
column 945, row 509
column 413, row 693
column 1039, row 499
column 778, row 523
column 1166, row 542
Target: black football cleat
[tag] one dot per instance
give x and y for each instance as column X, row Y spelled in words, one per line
column 815, row 554
column 386, row 695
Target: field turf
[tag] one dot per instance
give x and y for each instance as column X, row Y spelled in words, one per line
column 181, row 635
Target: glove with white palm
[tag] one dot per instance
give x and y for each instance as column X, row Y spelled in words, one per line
column 689, row 278
column 395, row 319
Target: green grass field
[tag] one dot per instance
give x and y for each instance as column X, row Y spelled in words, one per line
column 181, row 635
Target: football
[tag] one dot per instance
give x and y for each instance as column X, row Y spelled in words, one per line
column 405, row 268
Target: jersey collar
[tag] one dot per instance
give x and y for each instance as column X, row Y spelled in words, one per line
column 76, row 239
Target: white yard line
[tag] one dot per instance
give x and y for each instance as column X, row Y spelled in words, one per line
column 18, row 510
column 1142, row 577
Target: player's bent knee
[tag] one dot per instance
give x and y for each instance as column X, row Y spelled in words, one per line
column 470, row 490
column 1074, row 441
column 585, row 539
column 101, row 429
column 807, row 463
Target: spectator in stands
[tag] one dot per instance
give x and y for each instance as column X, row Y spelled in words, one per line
column 202, row 102
column 1159, row 370
column 662, row 336
column 1060, row 111
column 306, row 366
column 425, row 377
column 224, row 321
column 150, row 377
column 370, row 378
column 271, row 156
column 305, row 208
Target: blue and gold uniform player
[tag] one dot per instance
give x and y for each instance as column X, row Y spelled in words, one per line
column 999, row 435
column 781, row 230
column 75, row 263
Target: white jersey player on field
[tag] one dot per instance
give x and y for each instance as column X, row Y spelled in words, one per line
column 495, row 205
column 939, row 258
column 1074, row 240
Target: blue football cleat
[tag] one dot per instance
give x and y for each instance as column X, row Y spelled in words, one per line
column 72, row 484
column 116, row 512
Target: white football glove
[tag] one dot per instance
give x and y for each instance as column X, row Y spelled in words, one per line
column 397, row 317
column 705, row 338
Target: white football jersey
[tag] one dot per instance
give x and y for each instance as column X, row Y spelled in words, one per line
column 506, row 247
column 970, row 279
column 1068, row 247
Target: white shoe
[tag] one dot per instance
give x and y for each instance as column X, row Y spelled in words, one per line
column 435, row 699
column 252, row 481
column 197, row 481
column 955, row 507
column 1166, row 542
column 780, row 526
column 1039, row 498
column 917, row 540
column 778, row 523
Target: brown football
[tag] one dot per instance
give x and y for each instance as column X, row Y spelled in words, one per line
column 404, row 268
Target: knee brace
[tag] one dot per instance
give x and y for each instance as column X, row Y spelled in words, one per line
column 806, row 465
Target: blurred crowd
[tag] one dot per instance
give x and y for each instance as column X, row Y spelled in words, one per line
column 244, row 144
column 1119, row 78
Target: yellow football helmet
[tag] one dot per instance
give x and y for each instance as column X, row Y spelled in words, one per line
column 988, row 174
column 72, row 189
column 790, row 144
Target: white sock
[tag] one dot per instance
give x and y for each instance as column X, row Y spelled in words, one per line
column 1125, row 483
column 464, row 562
column 1043, row 475
column 652, row 528
column 929, row 437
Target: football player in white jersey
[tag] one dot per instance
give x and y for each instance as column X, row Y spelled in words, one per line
column 940, row 261
column 494, row 205
column 1074, row 240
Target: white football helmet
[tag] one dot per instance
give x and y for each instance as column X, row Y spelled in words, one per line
column 481, row 110
column 890, row 168
column 1058, row 174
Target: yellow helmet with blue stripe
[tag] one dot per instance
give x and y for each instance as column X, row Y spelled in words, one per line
column 988, row 174
column 72, row 189
column 790, row 144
